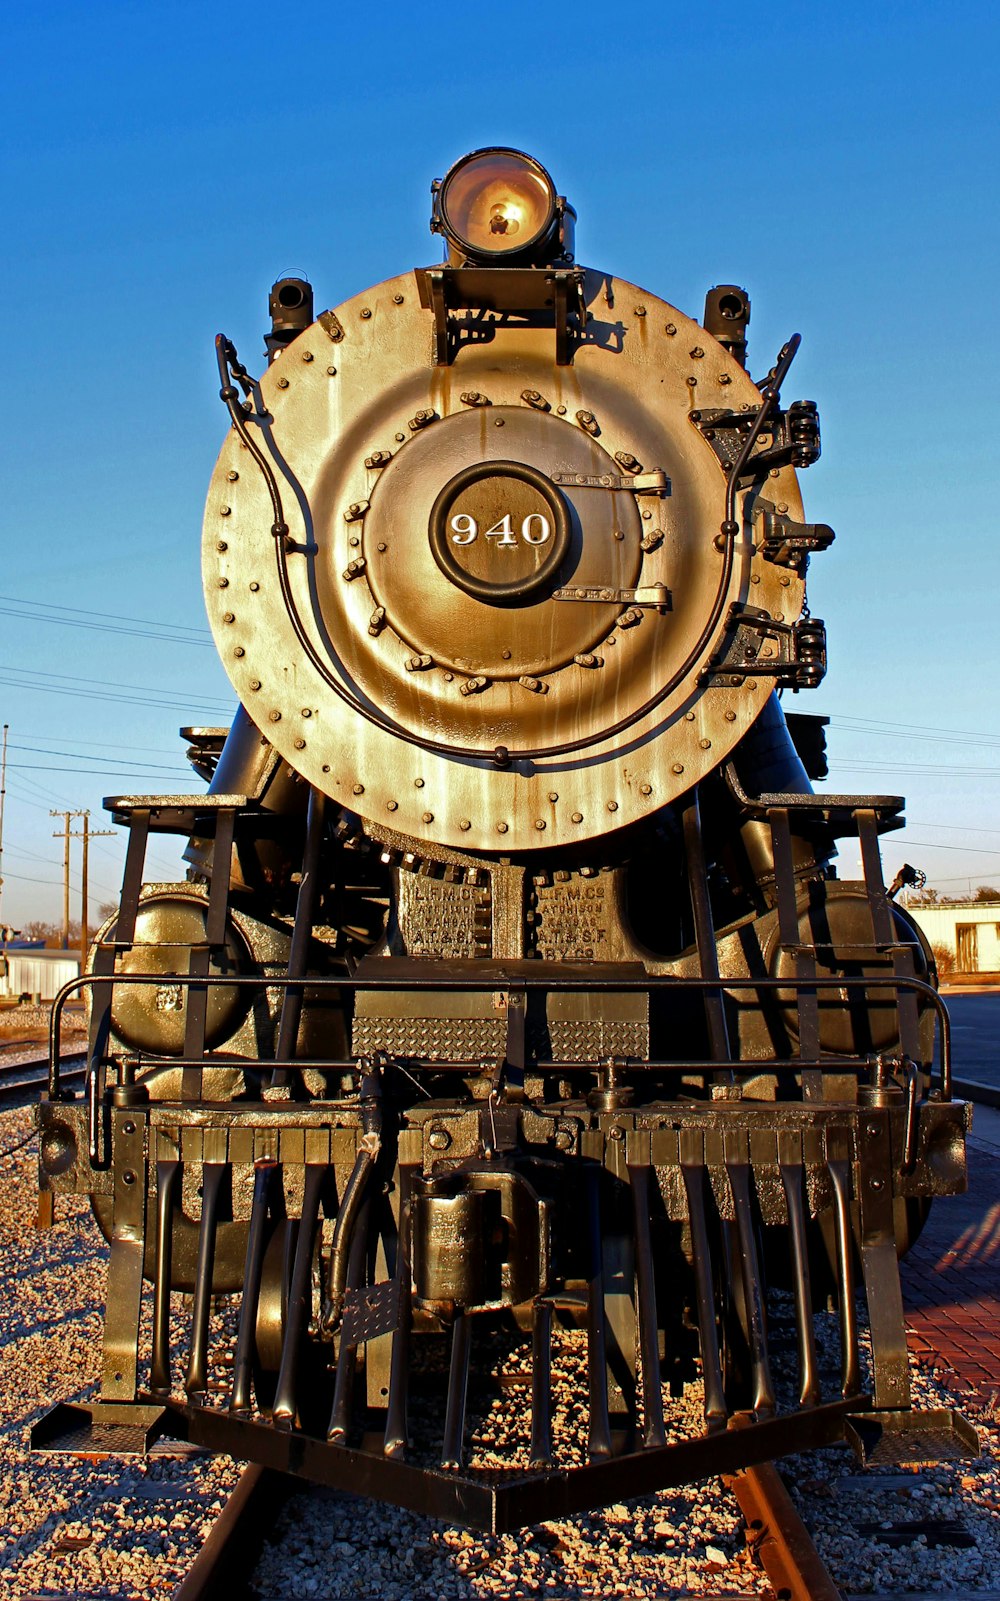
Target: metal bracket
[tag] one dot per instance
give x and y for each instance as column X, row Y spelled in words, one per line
column 656, row 596
column 371, row 1311
column 797, row 658
column 789, row 438
column 331, row 325
column 655, row 482
column 555, row 294
column 787, row 543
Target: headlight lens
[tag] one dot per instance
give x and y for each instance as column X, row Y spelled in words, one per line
column 497, row 203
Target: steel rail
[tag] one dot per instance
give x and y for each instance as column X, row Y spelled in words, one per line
column 14, row 1088
column 779, row 1539
column 223, row 1567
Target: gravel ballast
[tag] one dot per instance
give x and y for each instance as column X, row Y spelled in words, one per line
column 67, row 1526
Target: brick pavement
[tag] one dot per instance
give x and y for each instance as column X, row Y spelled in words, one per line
column 951, row 1278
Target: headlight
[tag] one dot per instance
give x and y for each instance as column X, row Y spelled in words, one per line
column 497, row 204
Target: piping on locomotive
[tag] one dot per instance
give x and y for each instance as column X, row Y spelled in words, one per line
column 512, row 1001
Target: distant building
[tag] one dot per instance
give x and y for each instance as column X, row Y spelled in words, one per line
column 968, row 930
column 39, row 975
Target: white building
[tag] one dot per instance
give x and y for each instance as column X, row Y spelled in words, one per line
column 37, row 974
column 969, row 930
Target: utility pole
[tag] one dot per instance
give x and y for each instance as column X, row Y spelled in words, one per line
column 86, row 834
column 64, row 834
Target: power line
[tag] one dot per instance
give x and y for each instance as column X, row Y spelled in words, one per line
column 107, row 616
column 914, row 769
column 966, row 850
column 877, row 724
column 115, row 761
column 104, row 622
column 127, row 695
column 953, row 828
column 98, row 744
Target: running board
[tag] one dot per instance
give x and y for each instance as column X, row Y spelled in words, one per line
column 105, row 1428
column 886, row 1438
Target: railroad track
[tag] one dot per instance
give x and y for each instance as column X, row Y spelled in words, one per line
column 779, row 1540
column 21, row 1080
column 224, row 1566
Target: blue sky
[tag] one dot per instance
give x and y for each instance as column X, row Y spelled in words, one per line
column 161, row 166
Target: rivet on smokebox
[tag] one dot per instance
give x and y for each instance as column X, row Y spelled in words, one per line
column 645, row 789
column 307, row 355
column 225, row 511
column 392, row 806
column 502, row 828
column 232, row 476
column 282, row 383
column 678, row 767
column 427, row 817
column 366, row 312
column 300, row 744
column 397, row 300
column 465, row 825
column 275, row 717
column 229, row 617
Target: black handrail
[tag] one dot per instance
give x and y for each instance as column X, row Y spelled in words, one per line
column 546, row 980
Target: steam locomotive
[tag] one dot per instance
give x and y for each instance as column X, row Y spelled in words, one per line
column 512, row 1018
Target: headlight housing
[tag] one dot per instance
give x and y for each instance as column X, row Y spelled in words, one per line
column 499, row 207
